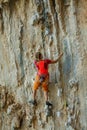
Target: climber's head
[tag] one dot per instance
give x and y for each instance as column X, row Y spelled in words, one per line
column 38, row 56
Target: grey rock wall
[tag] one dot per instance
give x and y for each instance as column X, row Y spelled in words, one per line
column 49, row 26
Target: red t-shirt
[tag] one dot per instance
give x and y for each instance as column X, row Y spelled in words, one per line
column 42, row 66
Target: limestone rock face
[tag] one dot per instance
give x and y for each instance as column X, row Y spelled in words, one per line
column 52, row 27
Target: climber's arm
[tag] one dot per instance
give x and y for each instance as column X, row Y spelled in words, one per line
column 35, row 65
column 55, row 61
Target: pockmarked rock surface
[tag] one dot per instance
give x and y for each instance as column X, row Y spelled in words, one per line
column 52, row 27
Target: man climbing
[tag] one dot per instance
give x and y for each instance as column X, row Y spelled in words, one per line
column 42, row 77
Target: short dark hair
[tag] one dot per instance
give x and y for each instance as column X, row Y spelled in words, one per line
column 38, row 55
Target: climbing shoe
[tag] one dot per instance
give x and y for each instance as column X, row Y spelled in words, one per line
column 33, row 102
column 48, row 103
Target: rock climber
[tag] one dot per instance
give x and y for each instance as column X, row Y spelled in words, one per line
column 42, row 76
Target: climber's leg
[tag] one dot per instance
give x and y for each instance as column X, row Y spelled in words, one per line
column 35, row 87
column 45, row 88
